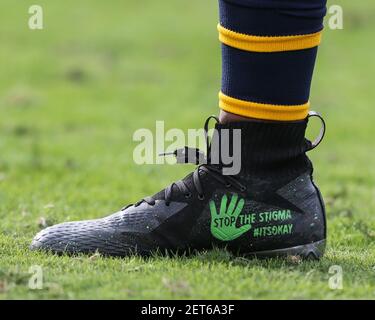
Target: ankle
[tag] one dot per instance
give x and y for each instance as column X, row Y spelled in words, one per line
column 227, row 117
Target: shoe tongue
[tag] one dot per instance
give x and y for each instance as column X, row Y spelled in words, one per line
column 263, row 145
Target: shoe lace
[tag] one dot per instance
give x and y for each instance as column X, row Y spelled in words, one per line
column 196, row 156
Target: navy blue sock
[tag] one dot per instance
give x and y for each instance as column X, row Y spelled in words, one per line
column 268, row 55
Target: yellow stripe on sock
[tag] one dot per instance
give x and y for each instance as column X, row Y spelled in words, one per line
column 263, row 111
column 268, row 43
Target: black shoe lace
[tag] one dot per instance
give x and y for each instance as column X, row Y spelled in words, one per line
column 195, row 156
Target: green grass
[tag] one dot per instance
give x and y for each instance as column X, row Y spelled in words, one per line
column 71, row 97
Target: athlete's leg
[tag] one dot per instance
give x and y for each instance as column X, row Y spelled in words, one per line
column 269, row 48
column 271, row 206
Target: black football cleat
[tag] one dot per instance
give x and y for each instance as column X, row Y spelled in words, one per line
column 270, row 208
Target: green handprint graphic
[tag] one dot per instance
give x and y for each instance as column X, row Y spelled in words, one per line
column 223, row 225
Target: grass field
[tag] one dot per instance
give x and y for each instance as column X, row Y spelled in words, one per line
column 71, row 96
